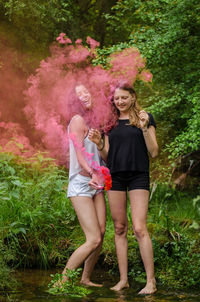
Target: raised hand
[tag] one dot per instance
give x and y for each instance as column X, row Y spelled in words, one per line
column 144, row 119
column 95, row 136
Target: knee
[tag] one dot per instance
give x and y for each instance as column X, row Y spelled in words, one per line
column 140, row 232
column 95, row 242
column 121, row 229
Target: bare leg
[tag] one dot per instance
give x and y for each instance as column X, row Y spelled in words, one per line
column 99, row 203
column 86, row 212
column 139, row 207
column 118, row 204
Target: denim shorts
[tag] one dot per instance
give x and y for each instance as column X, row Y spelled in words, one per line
column 130, row 180
column 78, row 186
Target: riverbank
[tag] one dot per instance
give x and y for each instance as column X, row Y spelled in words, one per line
column 32, row 286
column 39, row 228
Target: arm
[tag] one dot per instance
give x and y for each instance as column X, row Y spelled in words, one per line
column 79, row 129
column 102, row 143
column 149, row 134
column 150, row 140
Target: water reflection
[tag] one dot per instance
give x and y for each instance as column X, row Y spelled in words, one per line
column 131, row 295
column 33, row 287
column 121, row 297
column 150, row 298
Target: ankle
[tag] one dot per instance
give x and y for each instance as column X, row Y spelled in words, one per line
column 151, row 280
column 85, row 279
column 123, row 280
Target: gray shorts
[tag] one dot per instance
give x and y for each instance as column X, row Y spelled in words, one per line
column 78, row 186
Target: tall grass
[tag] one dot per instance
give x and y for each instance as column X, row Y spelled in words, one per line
column 174, row 222
column 174, row 225
column 39, row 228
column 36, row 218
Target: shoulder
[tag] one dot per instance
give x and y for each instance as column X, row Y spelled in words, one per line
column 77, row 122
column 77, row 119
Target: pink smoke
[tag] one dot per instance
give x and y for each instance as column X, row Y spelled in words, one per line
column 62, row 39
column 35, row 112
column 13, row 139
column 145, row 76
column 50, row 98
column 127, row 64
column 15, row 133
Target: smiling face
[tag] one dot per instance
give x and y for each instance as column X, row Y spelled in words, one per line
column 123, row 100
column 84, row 96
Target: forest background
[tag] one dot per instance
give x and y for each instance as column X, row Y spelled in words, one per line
column 38, row 225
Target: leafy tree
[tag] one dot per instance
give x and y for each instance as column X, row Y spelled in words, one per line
column 167, row 34
column 165, row 31
column 38, row 23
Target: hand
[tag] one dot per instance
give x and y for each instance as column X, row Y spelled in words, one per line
column 96, row 181
column 95, row 136
column 144, row 119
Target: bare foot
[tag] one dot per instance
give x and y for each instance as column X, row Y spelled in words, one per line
column 90, row 283
column 149, row 289
column 120, row 285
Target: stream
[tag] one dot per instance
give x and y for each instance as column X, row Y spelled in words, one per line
column 33, row 285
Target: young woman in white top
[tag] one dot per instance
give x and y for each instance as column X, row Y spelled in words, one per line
column 84, row 190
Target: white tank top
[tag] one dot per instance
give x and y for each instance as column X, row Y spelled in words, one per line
column 90, row 147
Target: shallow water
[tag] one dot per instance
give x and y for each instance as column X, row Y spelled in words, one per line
column 33, row 287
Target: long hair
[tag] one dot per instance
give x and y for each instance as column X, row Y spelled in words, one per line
column 135, row 107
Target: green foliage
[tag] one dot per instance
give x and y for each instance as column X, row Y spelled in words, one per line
column 7, row 255
column 39, row 227
column 70, row 286
column 32, row 17
column 175, row 254
column 103, row 54
column 120, row 21
column 49, row 18
column 36, row 217
column 167, row 34
column 173, row 224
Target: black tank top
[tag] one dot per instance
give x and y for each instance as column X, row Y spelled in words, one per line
column 127, row 148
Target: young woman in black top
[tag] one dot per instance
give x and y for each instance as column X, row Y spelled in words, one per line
column 126, row 151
